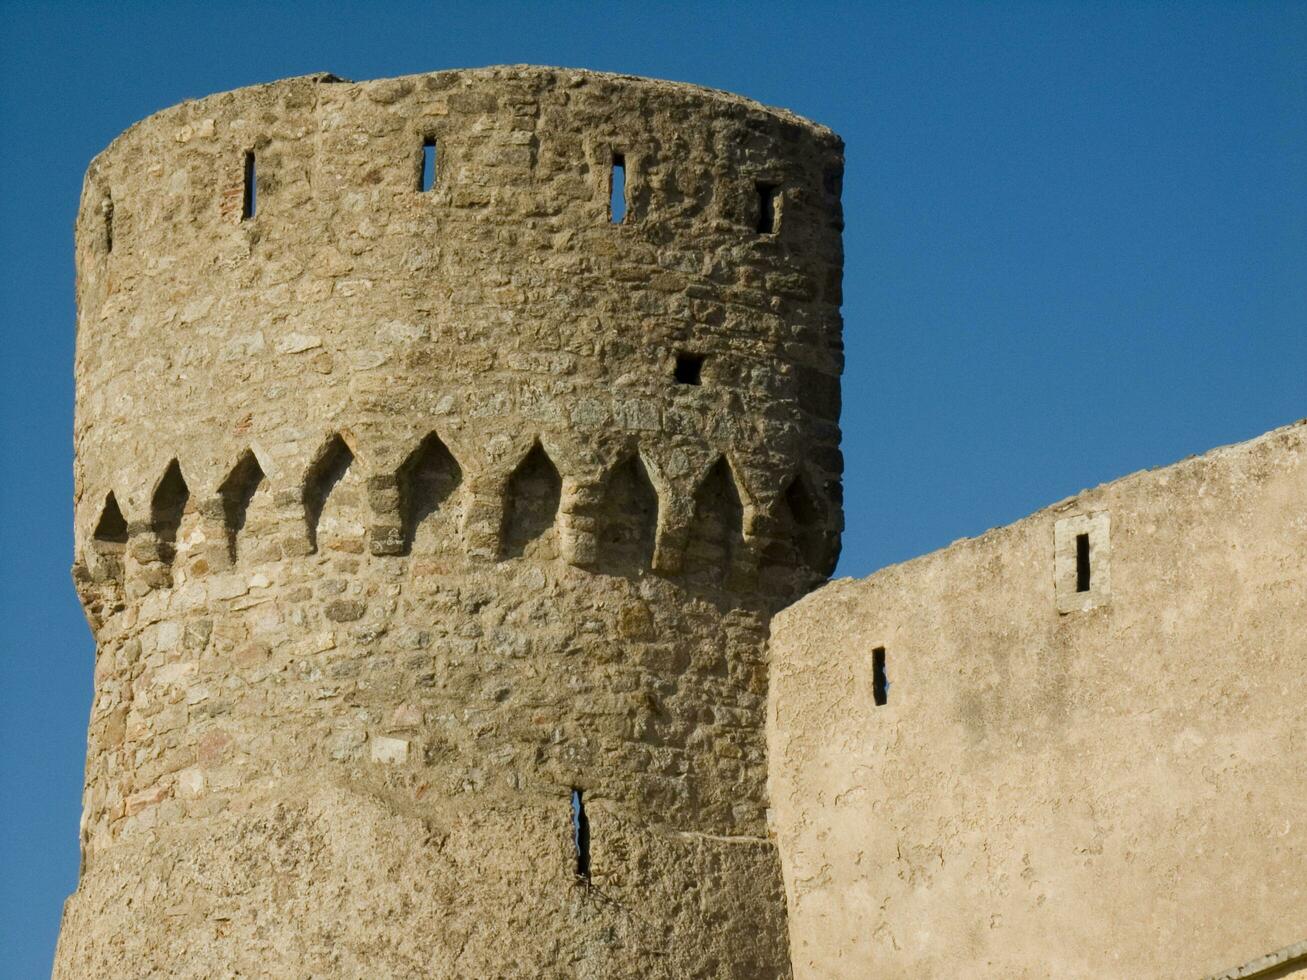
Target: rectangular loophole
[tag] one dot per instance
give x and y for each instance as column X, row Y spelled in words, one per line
column 879, row 682
column 617, row 190
column 250, row 202
column 427, row 175
column 580, row 835
column 768, row 195
column 1082, row 567
column 1082, row 563
column 689, row 369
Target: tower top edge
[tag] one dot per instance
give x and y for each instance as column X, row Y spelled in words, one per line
column 489, row 74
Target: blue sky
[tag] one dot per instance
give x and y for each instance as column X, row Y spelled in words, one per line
column 1076, row 246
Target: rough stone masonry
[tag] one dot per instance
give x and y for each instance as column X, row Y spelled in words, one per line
column 445, row 448
column 444, row 445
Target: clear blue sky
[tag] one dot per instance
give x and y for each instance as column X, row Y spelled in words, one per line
column 1076, row 246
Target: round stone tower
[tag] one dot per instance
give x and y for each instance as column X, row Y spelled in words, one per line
column 444, row 445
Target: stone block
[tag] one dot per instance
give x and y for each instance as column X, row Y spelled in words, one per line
column 389, row 751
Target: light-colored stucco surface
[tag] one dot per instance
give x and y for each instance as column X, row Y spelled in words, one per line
column 1119, row 790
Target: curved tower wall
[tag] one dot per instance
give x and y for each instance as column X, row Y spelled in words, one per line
column 400, row 519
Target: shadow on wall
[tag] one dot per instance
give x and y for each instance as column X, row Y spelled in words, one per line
column 619, row 526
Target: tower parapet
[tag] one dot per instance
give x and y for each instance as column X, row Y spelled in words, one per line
column 444, row 445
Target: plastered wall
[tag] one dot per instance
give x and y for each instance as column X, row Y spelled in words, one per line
column 1063, row 782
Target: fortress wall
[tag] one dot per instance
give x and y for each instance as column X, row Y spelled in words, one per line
column 1060, row 783
column 397, row 523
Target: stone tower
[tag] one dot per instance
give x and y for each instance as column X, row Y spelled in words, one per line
column 444, row 446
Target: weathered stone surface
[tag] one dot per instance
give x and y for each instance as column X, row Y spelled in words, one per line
column 1107, row 782
column 403, row 515
column 395, row 525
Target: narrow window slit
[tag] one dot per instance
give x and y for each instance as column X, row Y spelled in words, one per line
column 689, row 369
column 767, row 198
column 580, row 836
column 250, row 203
column 1082, row 563
column 617, row 190
column 108, row 224
column 879, row 682
column 427, row 175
